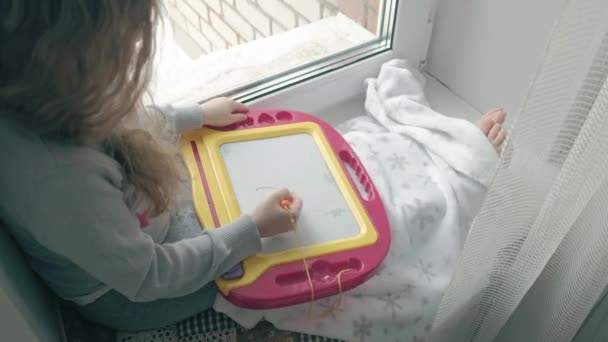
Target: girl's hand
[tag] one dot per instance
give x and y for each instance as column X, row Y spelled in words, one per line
column 272, row 219
column 222, row 111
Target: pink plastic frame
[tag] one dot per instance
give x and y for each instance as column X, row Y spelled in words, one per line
column 287, row 284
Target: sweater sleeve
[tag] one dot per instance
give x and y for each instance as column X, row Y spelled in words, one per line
column 182, row 117
column 84, row 218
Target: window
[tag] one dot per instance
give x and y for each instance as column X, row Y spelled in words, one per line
column 248, row 48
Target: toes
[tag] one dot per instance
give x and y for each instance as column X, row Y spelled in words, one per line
column 492, row 111
column 496, row 129
column 499, row 148
column 499, row 116
column 500, row 137
column 485, row 125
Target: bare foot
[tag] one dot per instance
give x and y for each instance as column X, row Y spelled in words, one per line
column 490, row 125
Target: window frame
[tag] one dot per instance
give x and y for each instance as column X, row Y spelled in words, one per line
column 409, row 28
column 322, row 66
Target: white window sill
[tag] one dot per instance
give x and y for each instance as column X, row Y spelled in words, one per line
column 339, row 109
column 444, row 101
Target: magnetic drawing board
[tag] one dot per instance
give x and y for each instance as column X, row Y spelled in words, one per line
column 294, row 162
column 342, row 234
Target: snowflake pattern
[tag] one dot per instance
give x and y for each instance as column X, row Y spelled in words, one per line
column 391, row 303
column 408, row 289
column 424, row 220
column 375, row 170
column 425, row 270
column 437, row 209
column 382, row 269
column 329, row 306
column 362, row 328
column 356, row 296
column 373, row 152
column 397, row 162
column 426, row 180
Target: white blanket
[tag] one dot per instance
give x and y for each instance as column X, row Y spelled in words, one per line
column 432, row 173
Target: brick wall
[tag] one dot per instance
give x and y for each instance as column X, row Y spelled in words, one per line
column 219, row 24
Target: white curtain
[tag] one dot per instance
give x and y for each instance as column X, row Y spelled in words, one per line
column 536, row 259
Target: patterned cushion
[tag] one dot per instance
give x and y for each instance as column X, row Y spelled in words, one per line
column 209, row 326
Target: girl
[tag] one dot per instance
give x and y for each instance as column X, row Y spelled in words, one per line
column 87, row 188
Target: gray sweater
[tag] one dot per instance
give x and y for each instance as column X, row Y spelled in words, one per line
column 68, row 208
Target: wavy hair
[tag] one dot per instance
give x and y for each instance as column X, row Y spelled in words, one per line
column 77, row 70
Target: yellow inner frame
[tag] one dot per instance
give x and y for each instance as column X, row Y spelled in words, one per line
column 208, row 143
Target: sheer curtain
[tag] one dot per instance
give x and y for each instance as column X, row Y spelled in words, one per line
column 536, row 259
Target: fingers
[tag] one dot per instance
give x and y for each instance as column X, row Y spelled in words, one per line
column 296, row 205
column 238, row 117
column 281, row 195
column 296, row 202
column 294, row 210
column 238, row 107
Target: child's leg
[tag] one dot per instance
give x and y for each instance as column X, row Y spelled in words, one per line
column 116, row 311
